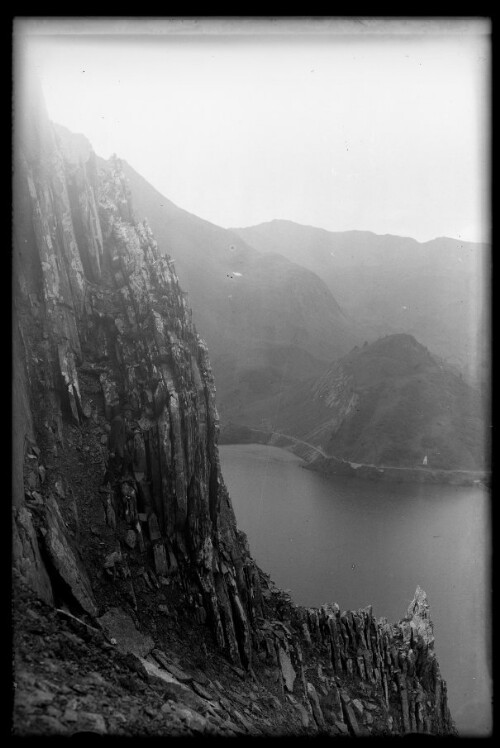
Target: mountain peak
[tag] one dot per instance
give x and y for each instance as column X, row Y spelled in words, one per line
column 403, row 350
column 398, row 342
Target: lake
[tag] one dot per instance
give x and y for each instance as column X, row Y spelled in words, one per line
column 356, row 542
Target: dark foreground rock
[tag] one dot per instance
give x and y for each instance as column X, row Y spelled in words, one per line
column 71, row 676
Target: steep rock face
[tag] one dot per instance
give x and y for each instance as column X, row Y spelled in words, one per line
column 101, row 312
column 268, row 322
column 119, row 504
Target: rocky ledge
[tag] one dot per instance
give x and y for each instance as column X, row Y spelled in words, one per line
column 138, row 608
column 107, row 677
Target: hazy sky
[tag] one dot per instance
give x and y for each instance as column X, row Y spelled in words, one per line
column 382, row 132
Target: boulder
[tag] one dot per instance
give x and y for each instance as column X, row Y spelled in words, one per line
column 130, row 539
column 287, row 670
column 27, row 560
column 315, row 705
column 64, row 558
column 91, row 722
column 160, row 559
column 119, row 625
column 154, row 528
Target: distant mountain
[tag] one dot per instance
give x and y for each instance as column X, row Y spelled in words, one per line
column 387, row 403
column 391, row 284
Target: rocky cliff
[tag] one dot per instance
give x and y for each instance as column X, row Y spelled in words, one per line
column 268, row 322
column 138, row 608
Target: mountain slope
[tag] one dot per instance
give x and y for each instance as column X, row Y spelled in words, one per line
column 435, row 290
column 387, row 403
column 267, row 321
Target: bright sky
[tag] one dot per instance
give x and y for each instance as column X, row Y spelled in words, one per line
column 380, row 132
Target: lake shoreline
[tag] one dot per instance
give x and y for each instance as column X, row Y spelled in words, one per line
column 317, row 461
column 332, row 466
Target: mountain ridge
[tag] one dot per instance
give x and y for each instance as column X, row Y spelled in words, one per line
column 291, row 222
column 436, row 290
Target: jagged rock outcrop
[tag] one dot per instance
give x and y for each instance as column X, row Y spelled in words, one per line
column 101, row 312
column 120, row 508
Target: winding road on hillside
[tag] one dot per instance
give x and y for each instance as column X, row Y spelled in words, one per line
column 356, row 465
column 293, row 439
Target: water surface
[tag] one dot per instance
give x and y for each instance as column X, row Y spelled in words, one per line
column 356, row 542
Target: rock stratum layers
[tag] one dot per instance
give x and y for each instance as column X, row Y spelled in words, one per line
column 122, row 525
